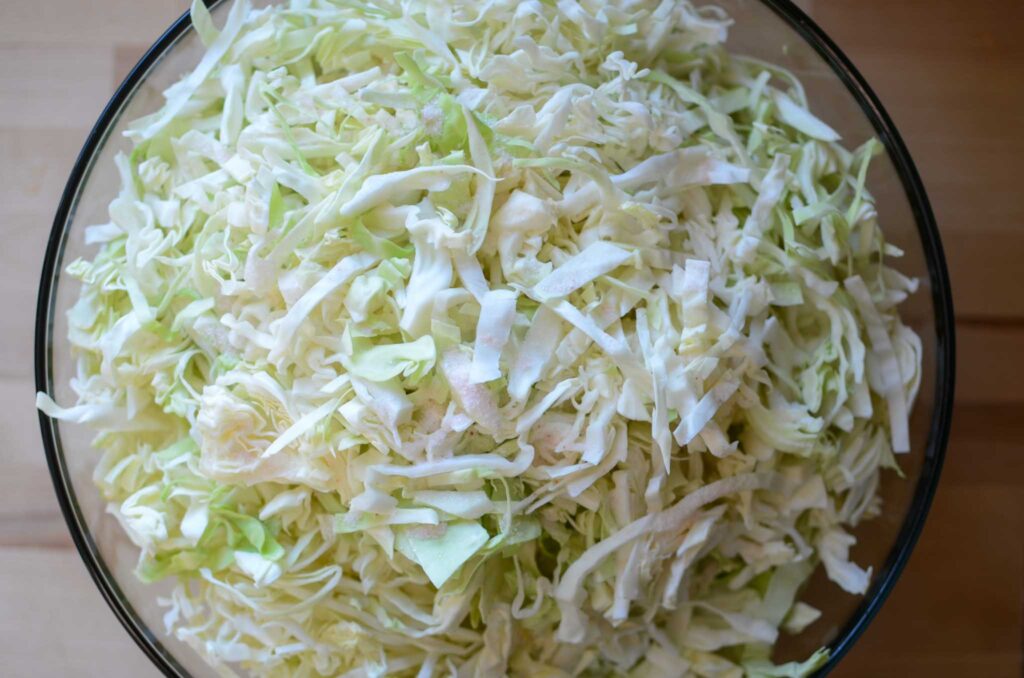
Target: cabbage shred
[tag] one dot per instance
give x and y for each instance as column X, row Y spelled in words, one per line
column 480, row 338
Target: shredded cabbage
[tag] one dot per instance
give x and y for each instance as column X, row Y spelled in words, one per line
column 480, row 338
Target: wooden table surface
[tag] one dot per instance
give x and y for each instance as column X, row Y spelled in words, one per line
column 951, row 73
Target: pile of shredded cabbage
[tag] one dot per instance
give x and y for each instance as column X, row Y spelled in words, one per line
column 480, row 338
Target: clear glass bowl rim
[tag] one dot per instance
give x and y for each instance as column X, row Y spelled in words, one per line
column 872, row 108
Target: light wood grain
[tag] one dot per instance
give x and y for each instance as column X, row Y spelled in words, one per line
column 54, row 622
column 950, row 73
column 29, row 516
column 59, row 63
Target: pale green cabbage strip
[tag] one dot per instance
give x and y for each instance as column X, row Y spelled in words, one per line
column 470, row 338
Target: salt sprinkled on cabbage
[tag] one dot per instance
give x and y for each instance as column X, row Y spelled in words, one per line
column 456, row 338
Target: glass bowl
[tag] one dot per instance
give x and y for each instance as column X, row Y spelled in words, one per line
column 773, row 30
